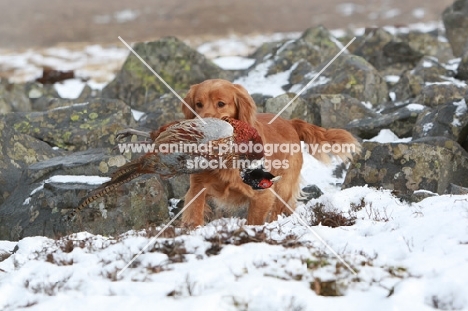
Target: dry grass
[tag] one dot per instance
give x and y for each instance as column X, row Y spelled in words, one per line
column 321, row 216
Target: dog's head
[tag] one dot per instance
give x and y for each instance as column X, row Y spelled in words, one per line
column 218, row 98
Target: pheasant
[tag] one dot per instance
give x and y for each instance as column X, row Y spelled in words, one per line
column 211, row 141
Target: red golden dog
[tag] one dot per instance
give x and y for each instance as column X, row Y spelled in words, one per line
column 219, row 98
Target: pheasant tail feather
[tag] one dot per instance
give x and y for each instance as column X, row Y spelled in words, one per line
column 123, row 175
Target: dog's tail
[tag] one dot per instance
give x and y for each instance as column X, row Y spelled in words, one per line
column 323, row 143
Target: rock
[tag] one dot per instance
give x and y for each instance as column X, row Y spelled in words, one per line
column 303, row 58
column 275, row 105
column 411, row 82
column 457, row 190
column 462, row 70
column 167, row 103
column 428, row 44
column 420, row 195
column 450, row 121
column 398, row 53
column 408, row 86
column 78, row 127
column 324, row 40
column 315, row 46
column 455, row 18
column 5, row 106
column 340, row 171
column 30, row 96
column 405, row 168
column 88, row 93
column 311, row 192
column 260, row 101
column 435, row 94
column 383, row 50
column 40, row 94
column 154, row 120
column 302, row 73
column 178, row 64
column 40, row 206
column 13, row 97
column 439, row 141
column 53, row 103
column 347, row 36
column 177, row 186
column 265, row 51
column 371, row 44
column 350, row 75
column 162, row 110
column 430, row 70
column 334, row 110
column 401, row 122
column 17, row 152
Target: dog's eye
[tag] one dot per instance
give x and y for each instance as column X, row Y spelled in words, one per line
column 199, row 105
column 221, row 104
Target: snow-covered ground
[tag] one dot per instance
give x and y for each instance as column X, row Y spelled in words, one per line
column 402, row 256
column 405, row 256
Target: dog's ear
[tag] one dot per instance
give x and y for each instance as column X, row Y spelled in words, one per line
column 188, row 113
column 246, row 107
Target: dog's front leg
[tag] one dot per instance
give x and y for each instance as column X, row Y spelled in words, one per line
column 193, row 215
column 260, row 207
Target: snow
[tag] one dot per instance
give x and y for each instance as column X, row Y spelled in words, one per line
column 427, row 64
column 392, row 78
column 449, row 81
column 387, row 136
column 427, row 127
column 65, row 179
column 256, row 80
column 452, row 64
column 338, row 33
column 460, row 111
column 461, row 107
column 407, row 256
column 137, row 115
column 240, row 45
column 316, row 173
column 367, row 104
column 71, row 88
column 234, row 62
column 422, row 27
column 415, row 107
column 81, row 179
column 94, row 62
column 6, row 246
column 319, row 81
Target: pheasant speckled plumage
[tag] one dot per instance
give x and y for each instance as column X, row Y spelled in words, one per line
column 194, row 131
